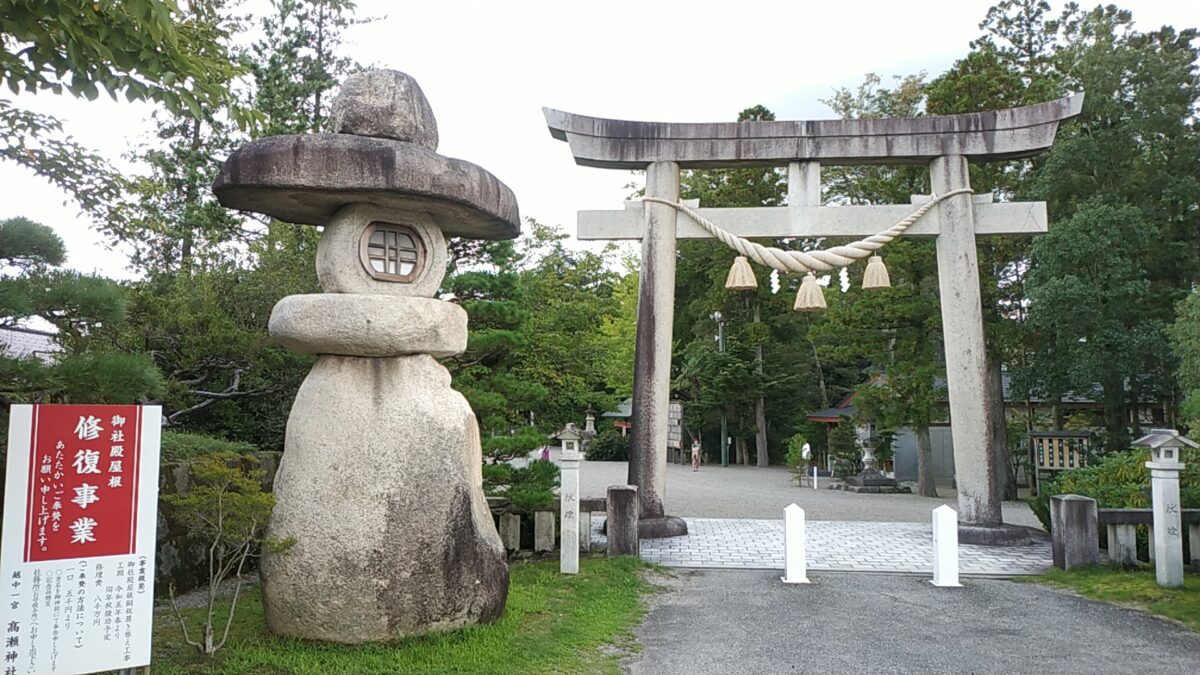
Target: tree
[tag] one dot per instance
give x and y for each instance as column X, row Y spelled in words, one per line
column 1092, row 310
column 483, row 278
column 86, row 311
column 1185, row 340
column 137, row 49
column 227, row 508
column 1131, row 155
column 297, row 63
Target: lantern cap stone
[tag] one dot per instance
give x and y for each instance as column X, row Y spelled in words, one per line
column 305, row 179
column 569, row 433
column 384, row 104
column 384, row 155
column 1164, row 438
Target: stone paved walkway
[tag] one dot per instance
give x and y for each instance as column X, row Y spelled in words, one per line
column 833, row 546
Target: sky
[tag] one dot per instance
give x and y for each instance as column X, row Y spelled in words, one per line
column 488, row 68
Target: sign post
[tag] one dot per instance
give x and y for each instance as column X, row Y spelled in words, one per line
column 77, row 554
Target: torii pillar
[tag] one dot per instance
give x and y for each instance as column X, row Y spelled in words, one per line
column 945, row 143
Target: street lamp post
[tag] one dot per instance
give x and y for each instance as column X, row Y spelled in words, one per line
column 721, row 348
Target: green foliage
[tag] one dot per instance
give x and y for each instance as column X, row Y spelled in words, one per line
column 608, row 445
column 843, row 448
column 795, row 451
column 1118, row 481
column 181, row 446
column 527, row 488
column 137, row 49
column 554, row 623
column 1132, row 588
column 85, row 309
column 532, row 486
column 1185, row 342
column 228, row 510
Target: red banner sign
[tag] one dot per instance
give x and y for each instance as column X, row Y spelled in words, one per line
column 83, row 482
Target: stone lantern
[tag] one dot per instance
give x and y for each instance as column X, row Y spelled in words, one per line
column 1165, row 446
column 380, row 485
column 570, row 438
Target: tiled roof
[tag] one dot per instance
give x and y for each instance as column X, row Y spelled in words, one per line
column 26, row 342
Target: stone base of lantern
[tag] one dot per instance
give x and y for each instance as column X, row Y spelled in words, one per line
column 380, row 489
column 661, row 528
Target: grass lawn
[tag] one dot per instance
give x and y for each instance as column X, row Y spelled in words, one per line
column 1133, row 588
column 554, row 623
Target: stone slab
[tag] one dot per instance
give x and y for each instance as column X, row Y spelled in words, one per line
column 385, row 104
column 305, row 179
column 982, row 136
column 368, row 325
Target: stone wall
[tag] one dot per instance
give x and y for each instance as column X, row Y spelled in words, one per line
column 182, row 560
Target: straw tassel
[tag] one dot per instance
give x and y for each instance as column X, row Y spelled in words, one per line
column 741, row 276
column 809, row 298
column 876, row 275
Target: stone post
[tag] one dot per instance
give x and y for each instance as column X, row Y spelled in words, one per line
column 1122, row 545
column 966, row 361
column 623, row 520
column 510, row 531
column 1074, row 531
column 568, row 561
column 1167, row 543
column 543, row 531
column 652, row 358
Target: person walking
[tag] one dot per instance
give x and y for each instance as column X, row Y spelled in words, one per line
column 696, row 455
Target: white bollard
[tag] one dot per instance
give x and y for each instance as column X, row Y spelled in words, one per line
column 814, row 478
column 945, row 547
column 794, row 560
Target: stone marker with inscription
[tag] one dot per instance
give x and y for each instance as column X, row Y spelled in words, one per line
column 380, row 484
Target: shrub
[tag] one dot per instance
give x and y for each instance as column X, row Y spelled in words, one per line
column 795, row 448
column 608, row 446
column 228, row 509
column 180, row 446
column 1117, row 481
column 527, row 488
column 843, row 447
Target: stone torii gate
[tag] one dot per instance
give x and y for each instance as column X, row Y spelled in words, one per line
column 945, row 143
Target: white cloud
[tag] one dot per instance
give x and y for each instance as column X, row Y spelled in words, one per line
column 489, row 67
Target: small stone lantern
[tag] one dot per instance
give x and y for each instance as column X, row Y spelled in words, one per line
column 570, row 438
column 1165, row 446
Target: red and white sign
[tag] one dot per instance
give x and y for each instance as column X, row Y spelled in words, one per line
column 77, row 555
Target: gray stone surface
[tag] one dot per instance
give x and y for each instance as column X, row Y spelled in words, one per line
column 966, row 363
column 386, row 104
column 543, row 531
column 652, row 356
column 380, row 487
column 306, row 179
column 1074, row 531
column 750, row 492
column 369, row 325
column 999, row 134
column 839, row 546
column 339, row 263
column 622, row 519
column 895, row 624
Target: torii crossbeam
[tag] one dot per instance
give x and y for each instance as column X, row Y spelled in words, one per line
column 946, row 143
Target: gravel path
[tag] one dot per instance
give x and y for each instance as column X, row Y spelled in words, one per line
column 750, row 492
